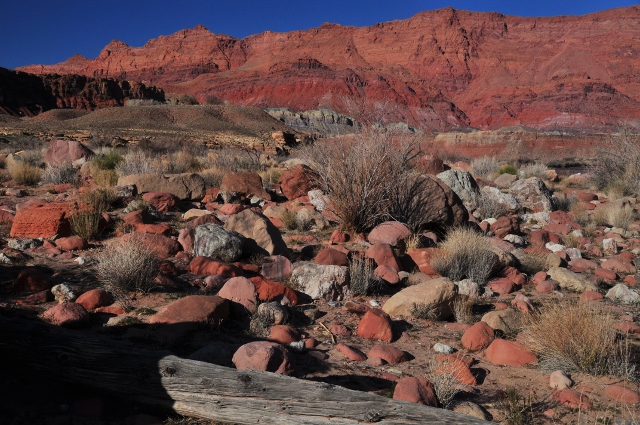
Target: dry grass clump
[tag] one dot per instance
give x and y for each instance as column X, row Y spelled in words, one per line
column 105, row 178
column 369, row 180
column 572, row 336
column 445, row 382
column 138, row 162
column 65, row 173
column 484, row 166
column 465, row 254
column 361, row 277
column 580, row 213
column 618, row 164
column 424, row 311
column 271, row 175
column 212, row 176
column 537, row 169
column 85, row 220
column 563, row 202
column 614, row 215
column 24, row 173
column 234, row 160
column 413, row 241
column 463, row 309
column 489, row 207
column 126, row 267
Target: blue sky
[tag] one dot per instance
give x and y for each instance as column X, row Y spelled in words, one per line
column 50, row 31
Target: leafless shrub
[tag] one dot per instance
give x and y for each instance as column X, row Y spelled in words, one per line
column 536, row 169
column 465, row 254
column 234, row 160
column 212, row 176
column 571, row 336
column 360, row 276
column 359, row 177
column 489, row 207
column 485, row 166
column 580, row 213
column 138, row 162
column 425, row 311
column 614, row 215
column 65, row 173
column 463, row 309
column 562, row 202
column 618, row 163
column 445, row 381
column 126, row 267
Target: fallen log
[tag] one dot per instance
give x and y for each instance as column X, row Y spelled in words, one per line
column 199, row 389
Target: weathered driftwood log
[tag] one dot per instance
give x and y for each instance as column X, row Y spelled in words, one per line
column 200, row 389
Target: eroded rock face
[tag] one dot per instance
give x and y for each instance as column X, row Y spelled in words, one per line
column 581, row 83
column 42, row 221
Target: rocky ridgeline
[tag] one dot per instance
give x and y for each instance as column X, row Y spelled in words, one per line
column 23, row 94
column 437, row 70
column 231, row 256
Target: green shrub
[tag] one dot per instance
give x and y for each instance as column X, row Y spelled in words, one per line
column 108, row 161
column 508, row 169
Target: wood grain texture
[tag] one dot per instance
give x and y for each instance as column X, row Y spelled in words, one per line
column 201, row 389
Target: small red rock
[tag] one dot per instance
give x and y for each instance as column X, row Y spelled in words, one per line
column 72, row 243
column 620, row 393
column 31, row 279
column 331, row 257
column 510, row 353
column 388, row 353
column 264, row 355
column 95, row 298
column 376, row 324
column 591, row 296
column 283, row 334
column 67, row 314
column 478, row 336
column 351, row 353
column 416, row 390
column 572, row 399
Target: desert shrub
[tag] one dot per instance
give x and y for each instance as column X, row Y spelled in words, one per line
column 142, row 102
column 408, row 200
column 517, row 409
column 3, row 162
column 361, row 277
column 424, row 311
column 465, row 254
column 125, row 267
column 562, row 202
column 65, row 173
column 618, row 163
column 616, row 216
column 484, row 166
column 182, row 162
column 271, row 175
column 213, row 100
column 212, row 177
column 138, row 162
column 489, row 207
column 187, row 99
column 108, row 160
column 105, row 178
column 413, row 241
column 580, row 213
column 445, row 381
column 86, row 217
column 463, row 309
column 289, row 219
column 507, row 169
column 26, row 174
column 360, row 177
column 536, row 169
column 572, row 336
column 236, row 160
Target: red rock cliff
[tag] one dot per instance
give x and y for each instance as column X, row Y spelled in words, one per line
column 439, row 69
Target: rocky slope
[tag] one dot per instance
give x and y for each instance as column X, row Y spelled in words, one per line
column 23, row 94
column 438, row 70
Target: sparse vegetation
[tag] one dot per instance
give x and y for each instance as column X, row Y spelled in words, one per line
column 108, row 160
column 360, row 275
column 425, row 311
column 86, row 218
column 563, row 202
column 618, row 164
column 572, row 336
column 614, row 215
column 518, row 410
column 465, row 254
column 369, row 180
column 489, row 207
column 508, row 169
column 463, row 309
column 126, row 267
column 65, row 173
column 537, row 169
column 484, row 166
column 24, row 173
column 445, row 381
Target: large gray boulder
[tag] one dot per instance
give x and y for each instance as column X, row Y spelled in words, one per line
column 532, row 194
column 213, row 240
column 261, row 235
column 320, row 281
column 464, row 185
column 187, row 186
